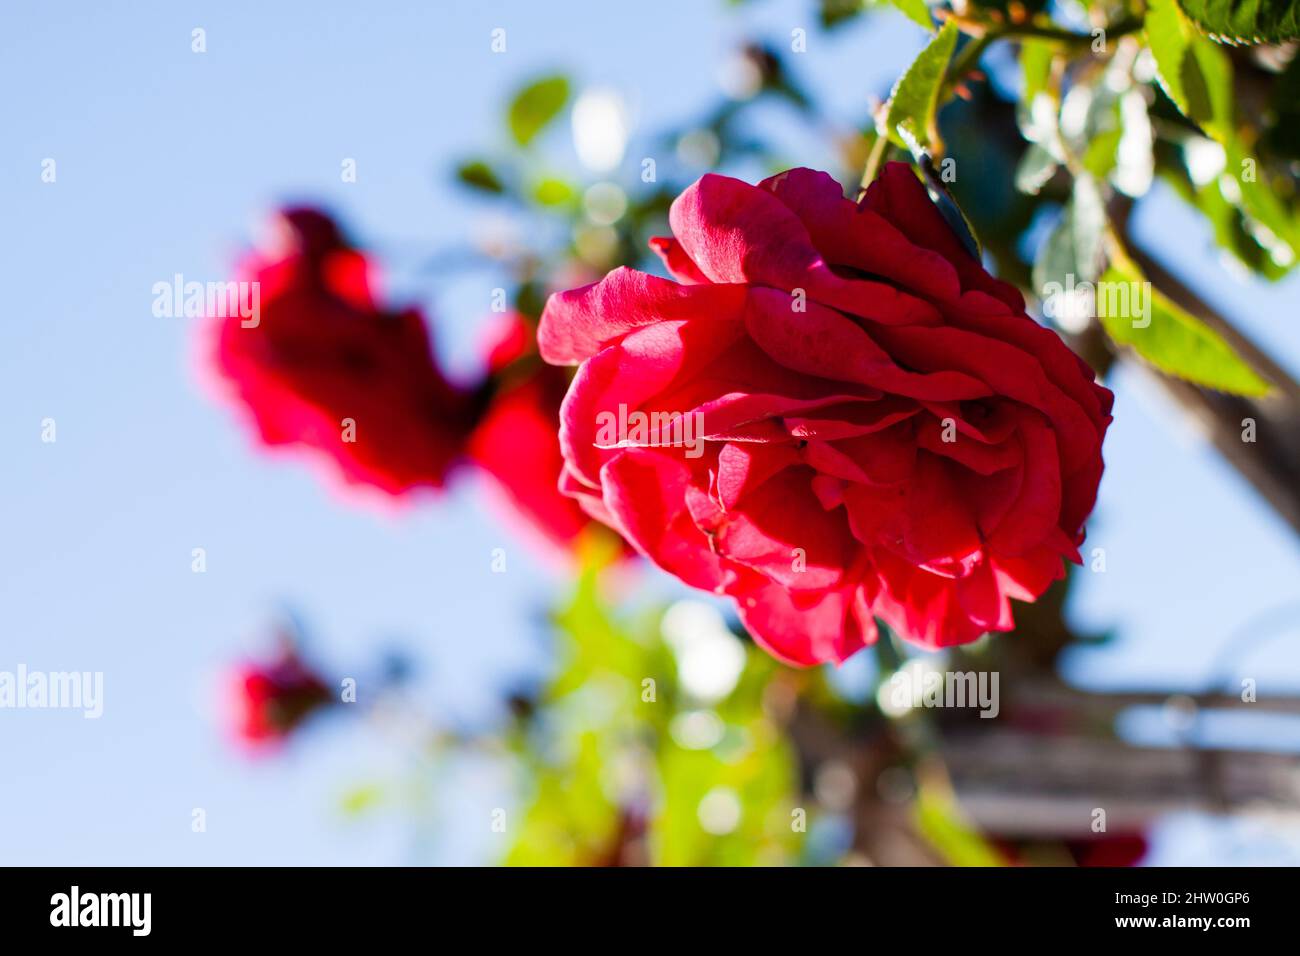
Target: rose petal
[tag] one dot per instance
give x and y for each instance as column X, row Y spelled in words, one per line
column 676, row 261
column 804, row 635
column 899, row 198
column 738, row 233
column 577, row 324
column 846, row 235
column 824, row 343
column 645, row 495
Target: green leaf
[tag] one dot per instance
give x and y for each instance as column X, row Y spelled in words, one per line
column 1072, row 253
column 835, row 12
column 554, row 192
column 1195, row 73
column 1233, row 229
column 1036, row 64
column 909, row 118
column 570, row 820
column 1283, row 134
column 477, row 174
column 1246, row 21
column 1102, row 152
column 535, row 106
column 914, row 10
column 939, row 820
column 1167, row 336
column 1055, row 261
column 1271, row 222
column 1036, row 167
column 362, row 798
column 1039, row 123
column 1113, row 136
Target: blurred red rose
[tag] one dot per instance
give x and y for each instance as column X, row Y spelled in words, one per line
column 1117, row 849
column 268, row 701
column 324, row 366
column 514, row 440
column 854, row 419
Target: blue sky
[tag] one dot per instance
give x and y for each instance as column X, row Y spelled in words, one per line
column 166, row 160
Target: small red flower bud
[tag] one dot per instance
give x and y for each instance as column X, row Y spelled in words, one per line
column 267, row 702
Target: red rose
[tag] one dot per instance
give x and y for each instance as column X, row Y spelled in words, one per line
column 854, row 419
column 514, row 439
column 1119, row 849
column 268, row 701
column 324, row 366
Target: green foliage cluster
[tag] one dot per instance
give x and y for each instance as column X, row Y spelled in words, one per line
column 615, row 769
